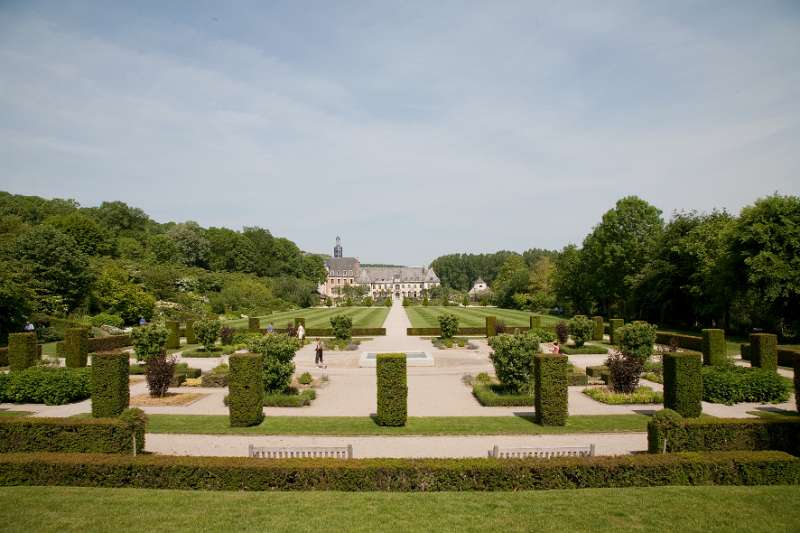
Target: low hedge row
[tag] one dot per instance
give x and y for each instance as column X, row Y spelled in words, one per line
column 74, row 435
column 735, row 384
column 721, row 434
column 355, row 332
column 301, row 399
column 47, row 385
column 495, row 395
column 100, row 344
column 689, row 342
column 437, row 332
column 418, row 475
column 785, row 355
column 585, row 349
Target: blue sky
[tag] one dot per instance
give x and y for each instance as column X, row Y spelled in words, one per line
column 411, row 129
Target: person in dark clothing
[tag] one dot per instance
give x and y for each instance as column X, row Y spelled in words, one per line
column 318, row 353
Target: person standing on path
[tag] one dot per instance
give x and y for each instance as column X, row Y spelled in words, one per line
column 301, row 332
column 318, row 353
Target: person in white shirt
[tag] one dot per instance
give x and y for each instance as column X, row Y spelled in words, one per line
column 301, row 332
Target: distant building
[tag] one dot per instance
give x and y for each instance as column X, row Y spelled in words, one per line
column 397, row 282
column 479, row 287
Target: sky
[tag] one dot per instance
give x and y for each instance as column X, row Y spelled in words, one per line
column 411, row 129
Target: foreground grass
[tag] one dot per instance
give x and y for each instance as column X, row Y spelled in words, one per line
column 320, row 317
column 433, row 425
column 707, row 509
column 15, row 413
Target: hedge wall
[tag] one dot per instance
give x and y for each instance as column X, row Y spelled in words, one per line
column 110, row 389
column 253, row 324
column 76, row 347
column 81, row 435
column 551, row 382
column 597, row 333
column 174, row 336
column 785, row 355
column 495, row 395
column 417, row 475
column 535, row 322
column 355, row 332
column 683, row 383
column 722, row 434
column 188, row 332
column 491, row 326
column 246, row 386
column 613, row 325
column 764, row 350
column 111, row 342
column 437, row 332
column 715, row 351
column 688, row 342
column 22, row 351
column 392, row 382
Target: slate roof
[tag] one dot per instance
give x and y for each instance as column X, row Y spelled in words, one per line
column 404, row 274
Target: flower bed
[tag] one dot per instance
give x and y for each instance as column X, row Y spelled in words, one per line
column 641, row 395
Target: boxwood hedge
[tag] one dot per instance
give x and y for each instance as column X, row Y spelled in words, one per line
column 173, row 337
column 683, row 383
column 110, row 389
column 764, row 350
column 599, row 327
column 496, row 395
column 392, row 384
column 47, row 385
column 736, row 384
column 22, row 352
column 246, row 385
column 551, row 382
column 76, row 347
column 713, row 347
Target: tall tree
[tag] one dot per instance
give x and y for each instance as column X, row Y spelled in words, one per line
column 512, row 280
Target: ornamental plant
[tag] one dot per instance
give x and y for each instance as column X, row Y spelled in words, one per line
column 512, row 358
column 226, row 335
column 149, row 341
column 581, row 328
column 207, row 332
column 342, row 327
column 448, row 323
column 636, row 340
column 562, row 332
column 624, row 371
column 278, row 362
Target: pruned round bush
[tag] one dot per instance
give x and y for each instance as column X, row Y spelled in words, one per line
column 636, row 339
column 735, row 384
column 342, row 326
column 278, row 360
column 207, row 332
column 76, row 347
column 448, row 323
column 512, row 358
column 683, row 383
column 392, row 383
column 246, row 392
column 581, row 329
column 110, row 389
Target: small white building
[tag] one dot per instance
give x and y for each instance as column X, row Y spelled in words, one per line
column 479, row 287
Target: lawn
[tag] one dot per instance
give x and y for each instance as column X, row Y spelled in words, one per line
column 15, row 413
column 434, row 425
column 320, row 317
column 472, row 317
column 706, row 509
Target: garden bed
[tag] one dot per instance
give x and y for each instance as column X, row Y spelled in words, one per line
column 169, row 399
column 497, row 395
column 216, row 352
column 735, row 384
column 455, row 342
column 642, row 395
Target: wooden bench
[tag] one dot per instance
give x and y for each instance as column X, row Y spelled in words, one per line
column 543, row 453
column 284, row 452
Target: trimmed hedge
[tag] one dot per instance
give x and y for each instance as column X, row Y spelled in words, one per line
column 797, row 381
column 613, row 327
column 188, row 332
column 246, row 385
column 174, row 335
column 550, row 378
column 764, row 350
column 734, row 384
column 597, row 334
column 74, row 435
column 392, row 389
column 110, row 389
column 715, row 351
column 721, row 434
column 497, row 395
column 491, row 326
column 585, row 349
column 597, row 371
column 683, row 383
column 689, row 342
column 301, row 399
column 22, row 351
column 108, row 343
column 47, row 385
column 535, row 322
column 437, row 332
column 76, row 347
column 785, row 355
column 253, row 324
column 354, row 332
column 407, row 475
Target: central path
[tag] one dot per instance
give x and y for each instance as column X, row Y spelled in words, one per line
column 396, row 339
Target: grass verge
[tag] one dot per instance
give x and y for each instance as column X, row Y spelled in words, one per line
column 642, row 395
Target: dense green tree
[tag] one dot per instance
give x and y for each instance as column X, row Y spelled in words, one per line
column 16, row 299
column 113, row 291
column 513, row 279
column 163, row 249
column 230, row 251
column 193, row 247
column 33, row 209
column 120, row 217
column 57, row 265
column 314, row 268
column 92, row 238
column 244, row 295
column 571, row 281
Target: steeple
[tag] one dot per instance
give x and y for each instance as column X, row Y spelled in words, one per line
column 337, row 250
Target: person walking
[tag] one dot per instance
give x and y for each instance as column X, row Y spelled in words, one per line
column 318, row 353
column 301, row 332
column 270, row 328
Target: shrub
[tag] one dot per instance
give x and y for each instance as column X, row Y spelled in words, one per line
column 74, row 435
column 392, row 389
column 173, row 334
column 640, row 395
column 387, row 302
column 581, row 329
column 448, row 323
column 253, row 324
column 512, row 358
column 108, row 343
column 278, row 360
column 735, row 384
column 407, row 475
column 683, row 383
column 207, row 332
column 624, row 372
column 764, row 351
column 218, row 377
column 290, row 399
column 500, row 327
column 585, row 349
column 22, row 351
column 342, row 326
column 149, row 341
column 160, row 371
column 305, row 378
column 106, row 319
column 497, row 395
column 425, row 301
column 613, row 329
column 551, row 389
column 491, row 326
column 226, row 335
column 599, row 328
column 722, row 434
column 203, row 353
column 715, row 351
column 544, row 335
column 246, row 398
column 637, row 339
column 110, row 390
column 47, row 385
column 562, row 332
column 76, row 347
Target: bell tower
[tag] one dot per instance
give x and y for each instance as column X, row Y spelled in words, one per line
column 337, row 250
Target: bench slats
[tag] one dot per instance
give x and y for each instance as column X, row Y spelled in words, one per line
column 287, row 452
column 542, row 453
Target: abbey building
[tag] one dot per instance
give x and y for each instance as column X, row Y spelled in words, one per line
column 380, row 282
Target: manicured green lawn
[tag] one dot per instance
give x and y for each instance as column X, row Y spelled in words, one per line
column 15, row 413
column 319, row 317
column 471, row 317
column 706, row 509
column 434, row 425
